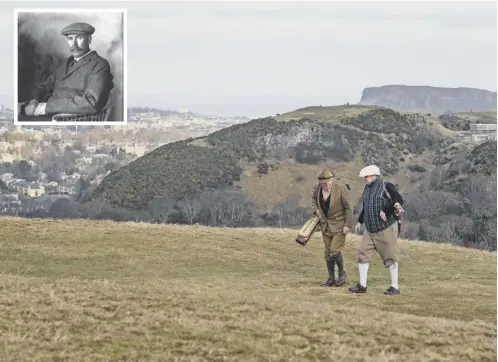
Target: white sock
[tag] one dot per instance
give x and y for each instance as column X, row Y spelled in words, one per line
column 393, row 270
column 363, row 273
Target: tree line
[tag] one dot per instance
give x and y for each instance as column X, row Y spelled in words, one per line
column 468, row 219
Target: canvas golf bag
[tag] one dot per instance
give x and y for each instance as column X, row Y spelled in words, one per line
column 307, row 230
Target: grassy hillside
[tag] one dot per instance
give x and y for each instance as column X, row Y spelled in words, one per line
column 343, row 138
column 261, row 173
column 328, row 114
column 484, row 117
column 457, row 200
column 291, row 183
column 462, row 121
column 102, row 291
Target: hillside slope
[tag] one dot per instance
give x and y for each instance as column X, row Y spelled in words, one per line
column 462, row 121
column 262, row 173
column 343, row 138
column 102, row 291
column 430, row 99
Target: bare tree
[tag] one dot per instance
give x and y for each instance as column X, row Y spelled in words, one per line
column 280, row 213
column 226, row 208
column 480, row 194
column 289, row 212
column 190, row 208
column 236, row 211
column 160, row 209
column 449, row 232
column 437, row 176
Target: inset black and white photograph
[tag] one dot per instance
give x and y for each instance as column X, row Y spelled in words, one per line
column 70, row 67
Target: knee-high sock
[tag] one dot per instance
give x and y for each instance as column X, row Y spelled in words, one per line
column 393, row 271
column 363, row 273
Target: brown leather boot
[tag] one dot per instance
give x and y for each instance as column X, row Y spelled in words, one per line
column 331, row 280
column 342, row 273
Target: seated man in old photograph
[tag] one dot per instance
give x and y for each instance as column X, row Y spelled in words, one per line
column 81, row 84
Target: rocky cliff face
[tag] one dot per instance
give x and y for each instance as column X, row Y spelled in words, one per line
column 430, row 99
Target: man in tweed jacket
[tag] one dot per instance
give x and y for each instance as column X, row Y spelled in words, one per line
column 331, row 201
column 81, row 84
column 380, row 202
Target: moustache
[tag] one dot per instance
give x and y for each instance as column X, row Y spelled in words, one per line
column 74, row 48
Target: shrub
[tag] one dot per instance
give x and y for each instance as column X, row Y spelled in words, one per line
column 416, row 168
column 263, row 168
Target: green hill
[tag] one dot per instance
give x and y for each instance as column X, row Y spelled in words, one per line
column 222, row 159
column 101, row 291
column 261, row 173
column 458, row 200
column 462, row 121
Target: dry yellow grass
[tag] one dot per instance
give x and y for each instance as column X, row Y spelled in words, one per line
column 268, row 190
column 440, row 129
column 481, row 116
column 102, row 291
column 331, row 114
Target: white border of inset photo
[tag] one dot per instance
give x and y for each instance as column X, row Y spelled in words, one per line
column 124, row 122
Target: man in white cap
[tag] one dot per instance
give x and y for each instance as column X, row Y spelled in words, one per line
column 381, row 207
column 81, row 84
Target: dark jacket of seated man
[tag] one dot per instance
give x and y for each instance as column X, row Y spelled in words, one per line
column 84, row 89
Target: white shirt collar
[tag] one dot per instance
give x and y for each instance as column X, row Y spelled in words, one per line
column 88, row 52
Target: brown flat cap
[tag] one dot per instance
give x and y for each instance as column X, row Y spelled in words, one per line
column 78, row 28
column 325, row 174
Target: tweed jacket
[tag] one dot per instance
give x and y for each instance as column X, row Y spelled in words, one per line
column 82, row 90
column 340, row 212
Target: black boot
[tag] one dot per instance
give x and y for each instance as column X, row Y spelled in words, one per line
column 331, row 280
column 342, row 273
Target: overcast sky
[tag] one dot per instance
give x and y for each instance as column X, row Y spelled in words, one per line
column 258, row 59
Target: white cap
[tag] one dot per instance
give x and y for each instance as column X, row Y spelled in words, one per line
column 371, row 170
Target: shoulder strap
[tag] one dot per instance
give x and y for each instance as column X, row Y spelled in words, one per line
column 385, row 190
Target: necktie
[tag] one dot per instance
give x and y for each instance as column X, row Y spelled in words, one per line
column 71, row 64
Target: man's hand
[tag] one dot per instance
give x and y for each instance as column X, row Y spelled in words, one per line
column 398, row 208
column 30, row 108
column 383, row 216
column 357, row 228
column 318, row 213
column 345, row 230
column 40, row 109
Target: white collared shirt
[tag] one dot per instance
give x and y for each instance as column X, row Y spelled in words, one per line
column 84, row 55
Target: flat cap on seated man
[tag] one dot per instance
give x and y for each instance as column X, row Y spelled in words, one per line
column 78, row 28
column 82, row 82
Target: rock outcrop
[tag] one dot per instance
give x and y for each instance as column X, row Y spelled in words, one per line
column 430, row 99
